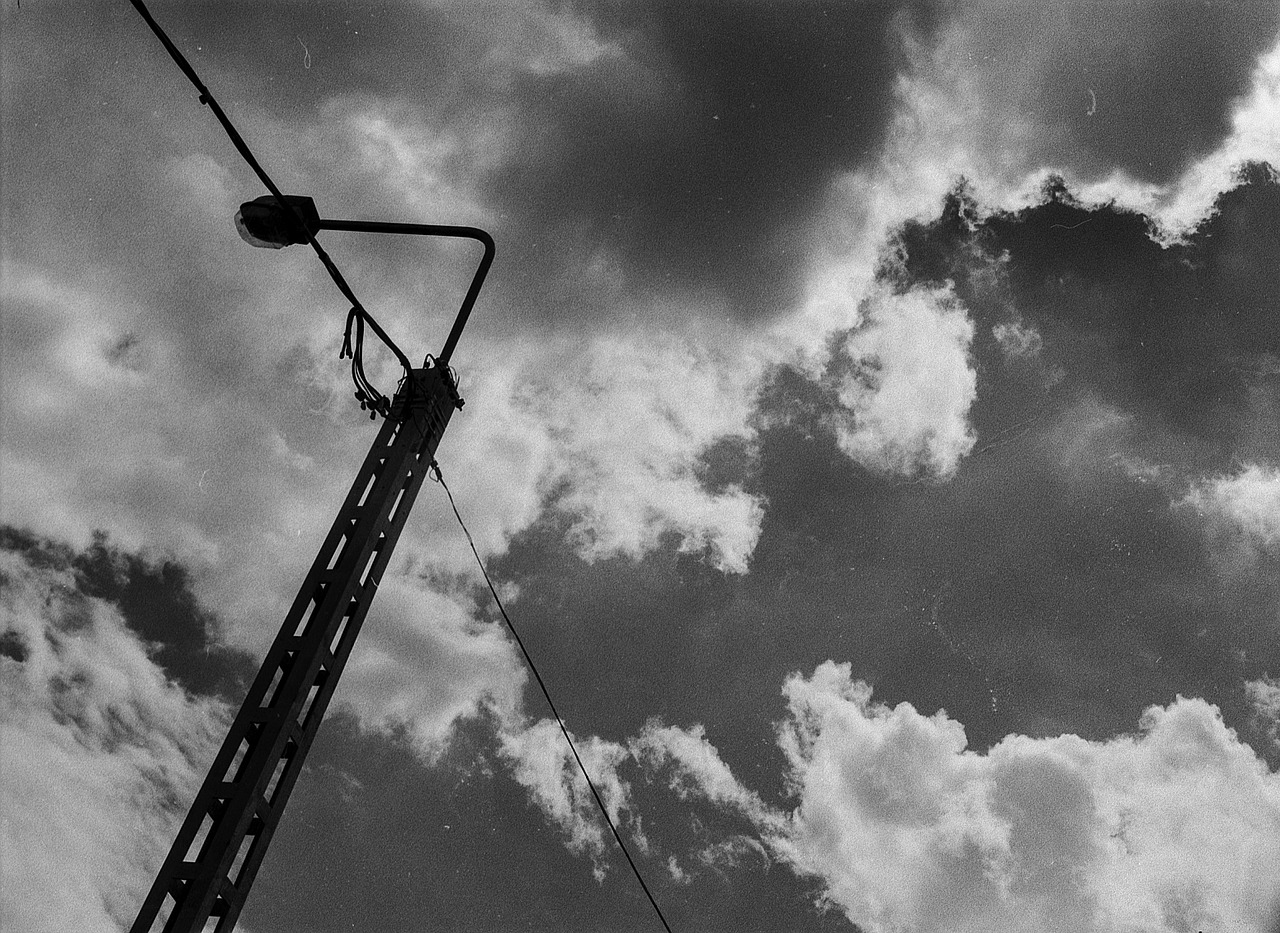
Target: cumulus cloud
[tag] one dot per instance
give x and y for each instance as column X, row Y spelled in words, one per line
column 422, row 664
column 1243, row 506
column 609, row 434
column 905, row 383
column 102, row 755
column 1174, row 828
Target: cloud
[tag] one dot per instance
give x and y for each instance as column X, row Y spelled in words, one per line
column 1073, row 85
column 1264, row 695
column 904, row 384
column 696, row 767
column 422, row 664
column 532, row 38
column 692, row 153
column 102, row 755
column 1174, row 828
column 186, row 456
column 543, row 764
column 968, row 105
column 1242, row 509
column 1254, row 137
column 1017, row 339
column 609, row 434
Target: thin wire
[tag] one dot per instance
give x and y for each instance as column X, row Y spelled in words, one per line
column 439, row 478
column 379, row 402
column 362, row 383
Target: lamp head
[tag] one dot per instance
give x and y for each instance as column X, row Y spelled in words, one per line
column 264, row 222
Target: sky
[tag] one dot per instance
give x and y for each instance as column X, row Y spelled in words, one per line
column 872, row 426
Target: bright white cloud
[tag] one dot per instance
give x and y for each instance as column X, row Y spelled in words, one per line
column 953, row 121
column 1175, row 828
column 610, row 431
column 905, row 384
column 422, row 664
column 1246, row 502
column 1254, row 137
column 101, row 757
column 543, row 763
column 697, row 768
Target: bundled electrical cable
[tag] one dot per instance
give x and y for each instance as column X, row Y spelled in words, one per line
column 367, row 395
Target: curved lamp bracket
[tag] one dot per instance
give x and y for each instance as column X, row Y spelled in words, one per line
column 265, row 222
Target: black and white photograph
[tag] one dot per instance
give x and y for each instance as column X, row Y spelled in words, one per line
column 639, row 466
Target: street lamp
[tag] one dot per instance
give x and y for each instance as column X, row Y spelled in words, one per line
column 222, row 841
column 264, row 222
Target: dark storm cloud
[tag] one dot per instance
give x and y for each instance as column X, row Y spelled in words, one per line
column 1050, row 585
column 696, row 155
column 1146, row 368
column 1089, row 88
column 686, row 158
column 156, row 603
column 1182, row 334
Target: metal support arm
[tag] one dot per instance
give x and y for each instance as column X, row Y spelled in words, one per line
column 470, row 233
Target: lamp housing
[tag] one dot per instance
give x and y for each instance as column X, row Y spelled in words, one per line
column 265, row 223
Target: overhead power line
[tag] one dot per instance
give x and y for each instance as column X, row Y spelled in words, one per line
column 382, row 405
column 439, row 478
column 378, row 402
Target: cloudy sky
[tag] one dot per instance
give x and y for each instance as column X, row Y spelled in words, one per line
column 873, row 424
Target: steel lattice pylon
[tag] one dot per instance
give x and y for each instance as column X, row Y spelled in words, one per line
column 220, row 845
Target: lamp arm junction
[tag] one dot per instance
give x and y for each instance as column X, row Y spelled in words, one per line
column 470, row 233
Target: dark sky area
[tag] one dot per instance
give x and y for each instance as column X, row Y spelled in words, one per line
column 871, row 428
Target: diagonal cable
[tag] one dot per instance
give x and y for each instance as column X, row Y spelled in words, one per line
column 439, row 477
column 247, row 154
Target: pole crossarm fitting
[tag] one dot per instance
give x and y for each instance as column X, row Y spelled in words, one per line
column 221, row 844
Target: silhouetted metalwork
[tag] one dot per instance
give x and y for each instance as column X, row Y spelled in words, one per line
column 215, row 857
column 273, row 222
column 218, row 850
